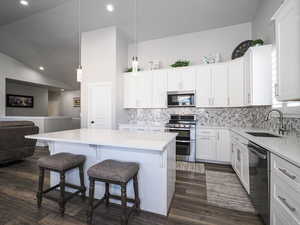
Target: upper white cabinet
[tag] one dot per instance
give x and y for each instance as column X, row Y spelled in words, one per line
column 287, row 26
column 236, row 83
column 203, row 86
column 181, row 79
column 219, row 74
column 258, row 75
column 129, row 95
column 159, row 89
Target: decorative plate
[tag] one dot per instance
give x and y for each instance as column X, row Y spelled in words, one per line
column 241, row 49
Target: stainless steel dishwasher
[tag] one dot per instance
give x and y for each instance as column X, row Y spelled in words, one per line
column 259, row 170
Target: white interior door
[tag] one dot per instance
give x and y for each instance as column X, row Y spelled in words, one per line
column 100, row 106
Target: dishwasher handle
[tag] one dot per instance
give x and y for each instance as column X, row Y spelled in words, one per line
column 258, row 151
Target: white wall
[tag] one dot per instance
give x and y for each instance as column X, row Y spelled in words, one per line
column 100, row 62
column 192, row 46
column 262, row 26
column 12, row 69
column 54, row 103
column 66, row 103
column 40, row 95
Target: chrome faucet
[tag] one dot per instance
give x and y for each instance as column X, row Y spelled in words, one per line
column 282, row 129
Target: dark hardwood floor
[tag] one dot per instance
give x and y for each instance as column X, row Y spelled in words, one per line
column 195, row 202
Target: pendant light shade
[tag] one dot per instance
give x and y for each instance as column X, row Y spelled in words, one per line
column 79, row 74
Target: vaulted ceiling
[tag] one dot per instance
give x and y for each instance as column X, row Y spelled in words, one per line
column 46, row 33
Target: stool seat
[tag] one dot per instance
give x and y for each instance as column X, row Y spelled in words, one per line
column 113, row 170
column 61, row 161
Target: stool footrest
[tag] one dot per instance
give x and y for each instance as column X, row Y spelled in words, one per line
column 50, row 189
column 116, row 197
column 74, row 186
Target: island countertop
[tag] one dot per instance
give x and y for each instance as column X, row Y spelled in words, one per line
column 122, row 139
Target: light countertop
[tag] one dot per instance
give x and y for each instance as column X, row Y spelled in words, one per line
column 287, row 148
column 155, row 141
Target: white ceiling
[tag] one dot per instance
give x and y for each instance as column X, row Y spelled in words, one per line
column 46, row 33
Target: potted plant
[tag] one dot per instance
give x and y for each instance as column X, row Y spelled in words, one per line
column 181, row 63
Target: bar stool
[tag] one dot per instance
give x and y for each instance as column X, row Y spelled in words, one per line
column 61, row 163
column 119, row 173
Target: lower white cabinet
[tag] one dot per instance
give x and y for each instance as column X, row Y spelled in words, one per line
column 213, row 145
column 240, row 159
column 285, row 192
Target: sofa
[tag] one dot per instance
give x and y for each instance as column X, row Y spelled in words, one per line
column 13, row 144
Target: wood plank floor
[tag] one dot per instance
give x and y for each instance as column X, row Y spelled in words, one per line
column 18, row 182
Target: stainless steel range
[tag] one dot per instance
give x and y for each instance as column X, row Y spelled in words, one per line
column 185, row 126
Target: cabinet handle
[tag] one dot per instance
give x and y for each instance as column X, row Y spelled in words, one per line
column 276, row 90
column 284, row 201
column 285, row 172
column 249, row 98
column 228, row 101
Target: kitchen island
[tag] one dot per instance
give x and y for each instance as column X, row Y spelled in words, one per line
column 155, row 153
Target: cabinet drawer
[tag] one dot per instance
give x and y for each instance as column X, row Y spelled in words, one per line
column 207, row 133
column 286, row 171
column 285, row 198
column 279, row 217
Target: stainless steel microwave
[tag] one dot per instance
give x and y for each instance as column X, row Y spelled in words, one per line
column 181, row 99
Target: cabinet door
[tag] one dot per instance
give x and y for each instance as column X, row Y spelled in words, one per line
column 236, row 83
column 247, row 78
column 159, row 93
column 245, row 168
column 174, row 80
column 223, row 150
column 288, row 50
column 206, row 148
column 188, row 79
column 129, row 96
column 144, row 89
column 233, row 155
column 203, row 87
column 220, row 85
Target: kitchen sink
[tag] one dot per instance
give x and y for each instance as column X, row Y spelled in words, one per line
column 262, row 134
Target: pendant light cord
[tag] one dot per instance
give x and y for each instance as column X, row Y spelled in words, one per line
column 135, row 29
column 79, row 32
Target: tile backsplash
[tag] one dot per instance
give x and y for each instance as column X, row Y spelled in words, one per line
column 246, row 117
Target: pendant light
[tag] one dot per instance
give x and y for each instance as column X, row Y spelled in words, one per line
column 79, row 69
column 135, row 61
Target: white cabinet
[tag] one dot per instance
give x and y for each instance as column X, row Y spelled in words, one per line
column 159, row 85
column 203, row 86
column 236, row 83
column 240, row 159
column 213, row 145
column 144, row 89
column 287, row 29
column 129, row 95
column 206, row 145
column 258, row 76
column 219, row 74
column 285, row 194
column 181, row 79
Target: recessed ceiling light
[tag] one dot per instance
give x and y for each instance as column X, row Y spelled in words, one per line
column 62, row 90
column 24, row 2
column 42, row 68
column 110, row 8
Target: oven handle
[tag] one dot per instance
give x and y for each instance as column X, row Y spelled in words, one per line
column 191, row 141
column 186, row 129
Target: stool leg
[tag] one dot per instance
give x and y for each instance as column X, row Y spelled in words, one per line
column 40, row 187
column 124, row 218
column 91, row 201
column 62, row 193
column 107, row 194
column 81, row 175
column 136, row 194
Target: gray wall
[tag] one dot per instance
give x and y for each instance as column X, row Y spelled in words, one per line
column 54, row 103
column 40, row 99
column 262, row 26
column 67, row 108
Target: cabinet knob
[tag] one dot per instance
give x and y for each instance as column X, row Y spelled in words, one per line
column 92, row 122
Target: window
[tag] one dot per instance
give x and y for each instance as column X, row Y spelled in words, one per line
column 290, row 109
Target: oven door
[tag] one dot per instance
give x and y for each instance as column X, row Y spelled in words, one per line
column 183, row 133
column 181, row 99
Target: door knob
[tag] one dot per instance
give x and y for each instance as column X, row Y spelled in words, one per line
column 92, row 122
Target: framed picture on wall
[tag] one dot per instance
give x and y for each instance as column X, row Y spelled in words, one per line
column 76, row 102
column 19, row 101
